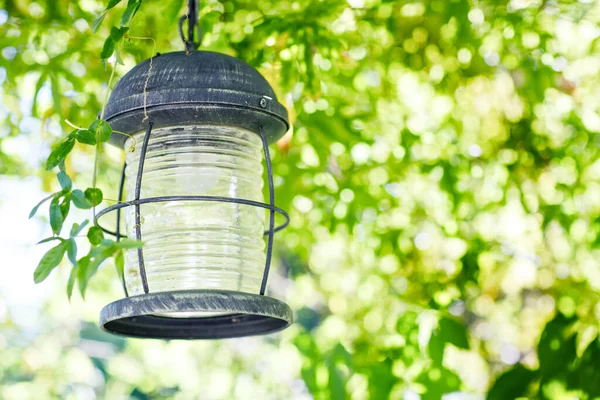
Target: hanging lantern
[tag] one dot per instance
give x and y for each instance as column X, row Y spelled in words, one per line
column 199, row 124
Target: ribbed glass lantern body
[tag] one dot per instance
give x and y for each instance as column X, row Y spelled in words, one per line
column 197, row 244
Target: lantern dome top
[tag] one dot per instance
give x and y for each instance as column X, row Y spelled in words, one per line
column 200, row 87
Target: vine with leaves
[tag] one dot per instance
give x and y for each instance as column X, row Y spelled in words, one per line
column 98, row 133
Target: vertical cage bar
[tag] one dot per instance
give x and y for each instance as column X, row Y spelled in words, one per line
column 138, row 191
column 118, row 224
column 263, row 286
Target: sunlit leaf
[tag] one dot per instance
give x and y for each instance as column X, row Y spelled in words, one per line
column 71, row 281
column 129, row 244
column 79, row 200
column 37, row 206
column 101, row 129
column 59, row 153
column 49, row 261
column 132, row 7
column 97, row 22
column 77, row 228
column 93, row 195
column 64, row 180
column 95, row 235
column 85, row 136
column 512, row 384
column 72, row 251
column 116, row 35
column 56, row 216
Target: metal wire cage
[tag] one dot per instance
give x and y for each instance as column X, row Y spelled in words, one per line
column 193, row 88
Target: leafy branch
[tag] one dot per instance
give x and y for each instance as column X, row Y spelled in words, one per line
column 60, row 204
column 111, row 44
column 99, row 132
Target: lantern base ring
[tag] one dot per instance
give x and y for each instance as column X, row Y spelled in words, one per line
column 246, row 314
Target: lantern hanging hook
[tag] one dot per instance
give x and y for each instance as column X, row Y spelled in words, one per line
column 193, row 26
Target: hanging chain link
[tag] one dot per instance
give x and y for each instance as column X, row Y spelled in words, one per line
column 193, row 27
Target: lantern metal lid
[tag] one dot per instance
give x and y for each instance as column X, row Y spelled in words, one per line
column 184, row 88
column 193, row 88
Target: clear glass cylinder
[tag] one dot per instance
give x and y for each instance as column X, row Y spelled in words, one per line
column 197, row 244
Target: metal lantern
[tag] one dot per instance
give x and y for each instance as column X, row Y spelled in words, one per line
column 198, row 123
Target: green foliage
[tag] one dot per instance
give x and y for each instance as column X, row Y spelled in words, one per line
column 113, row 41
column 512, row 384
column 441, row 178
column 93, row 195
column 101, row 129
column 59, row 154
column 100, row 249
column 64, row 181
column 85, row 136
column 49, row 261
column 80, row 200
column 57, row 216
column 95, row 235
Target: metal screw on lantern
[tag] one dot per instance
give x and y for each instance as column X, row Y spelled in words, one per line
column 193, row 89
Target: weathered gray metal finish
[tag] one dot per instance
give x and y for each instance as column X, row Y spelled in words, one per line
column 201, row 87
column 248, row 314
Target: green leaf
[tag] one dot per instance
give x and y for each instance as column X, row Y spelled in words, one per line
column 79, row 199
column 101, row 129
column 37, row 206
column 49, row 261
column 120, row 264
column 454, row 332
column 116, row 35
column 172, row 13
column 449, row 331
column 337, row 387
column 107, row 51
column 71, row 281
column 106, row 243
column 94, row 196
column 132, row 7
column 76, row 229
column 95, row 235
column 85, row 136
column 49, row 239
column 438, row 381
column 83, row 265
column 111, row 4
column 38, row 87
column 557, row 346
column 56, row 94
column 512, row 384
column 129, row 244
column 72, row 251
column 56, row 216
column 97, row 22
column 64, row 180
column 89, row 264
column 59, row 153
column 118, row 57
column 65, row 206
column 585, row 374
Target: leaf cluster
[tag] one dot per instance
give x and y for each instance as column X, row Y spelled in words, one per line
column 101, row 249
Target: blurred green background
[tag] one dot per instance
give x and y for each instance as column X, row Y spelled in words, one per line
column 442, row 177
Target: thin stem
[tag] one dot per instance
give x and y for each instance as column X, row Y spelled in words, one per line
column 112, row 75
column 149, row 68
column 72, row 125
column 98, row 142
